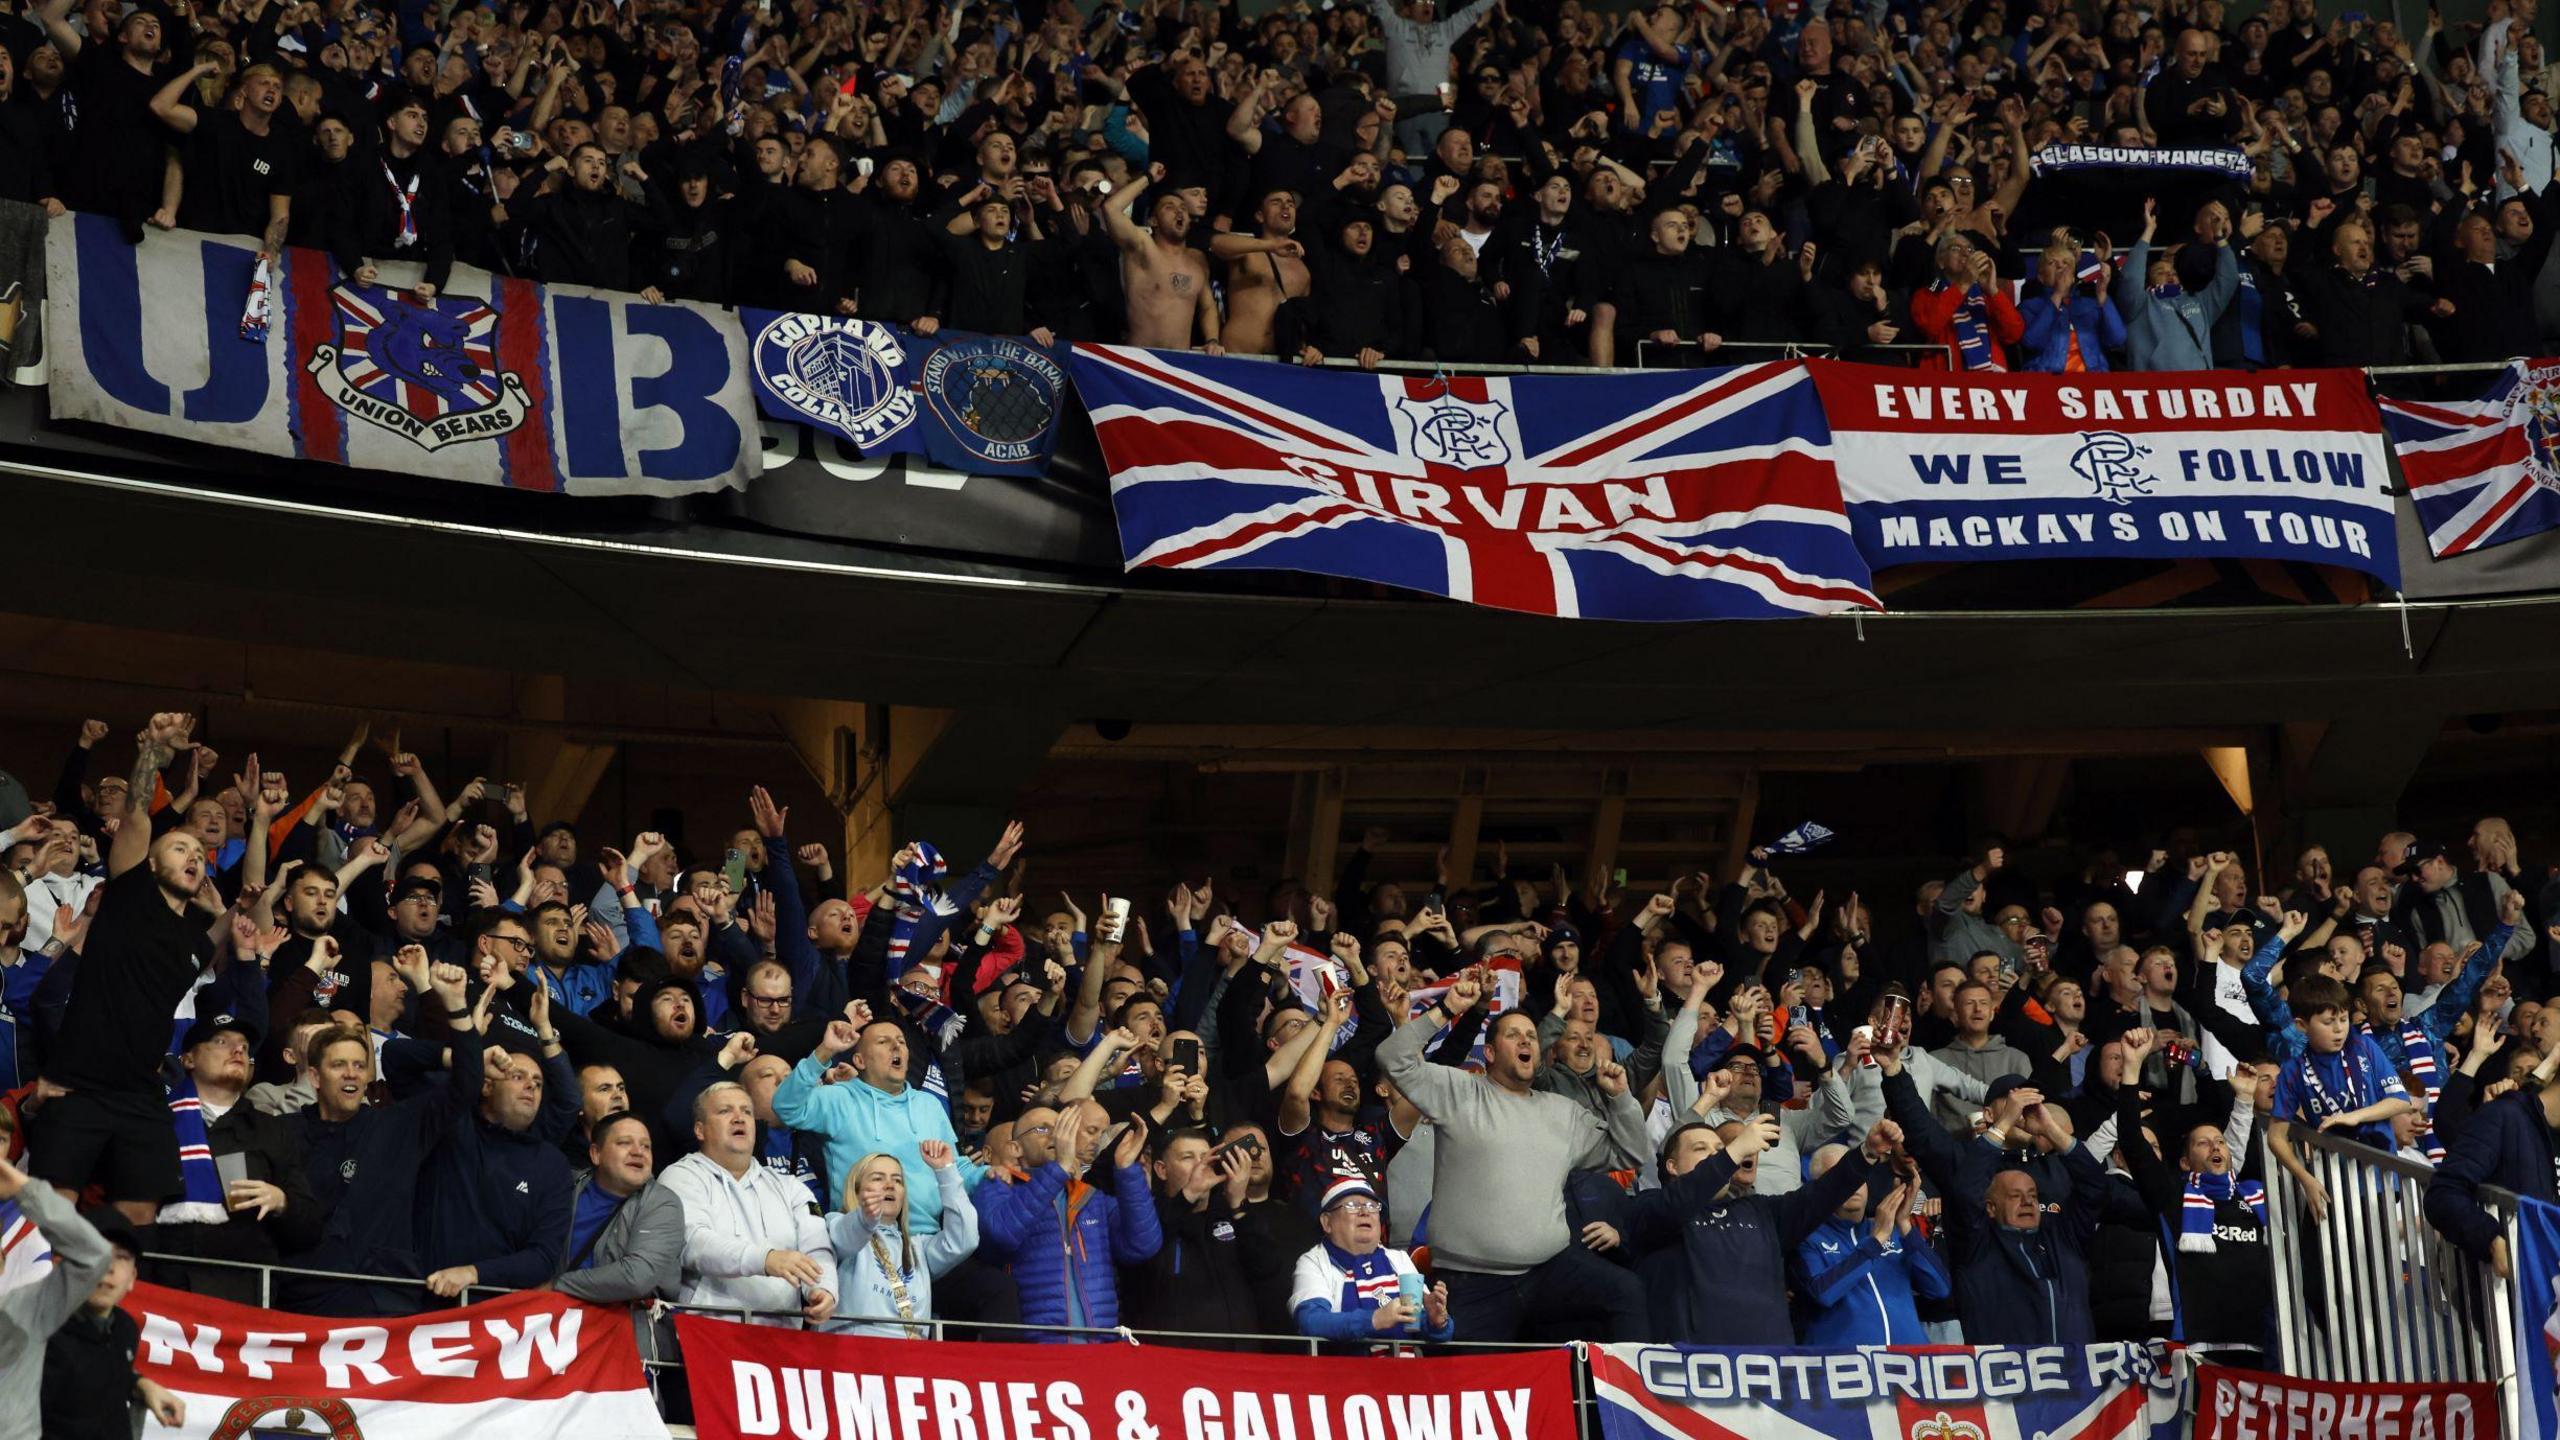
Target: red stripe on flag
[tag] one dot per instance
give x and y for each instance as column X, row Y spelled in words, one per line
column 1708, row 398
column 524, row 352
column 1284, row 527
column 2515, row 496
column 311, row 320
column 1175, row 380
column 2498, row 449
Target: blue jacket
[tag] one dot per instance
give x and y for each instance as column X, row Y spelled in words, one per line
column 2046, row 344
column 857, row 1118
column 1060, row 1239
column 2174, row 333
column 499, row 1199
column 1861, row 1290
column 2507, row 1144
column 1715, row 1270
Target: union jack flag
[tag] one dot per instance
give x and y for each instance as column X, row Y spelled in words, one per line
column 2483, row 472
column 428, row 361
column 1680, row 495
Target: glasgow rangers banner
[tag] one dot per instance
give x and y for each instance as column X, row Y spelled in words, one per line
column 2485, row 471
column 2277, row 465
column 978, row 404
column 1684, row 495
column 529, row 1366
column 2059, row 1392
column 750, row 1381
column 495, row 381
column 2251, row 1405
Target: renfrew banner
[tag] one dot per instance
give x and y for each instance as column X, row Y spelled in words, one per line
column 495, row 381
column 529, row 1366
column 2276, row 465
column 750, row 1382
column 1949, row 1392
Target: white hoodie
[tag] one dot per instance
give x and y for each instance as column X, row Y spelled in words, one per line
column 731, row 1223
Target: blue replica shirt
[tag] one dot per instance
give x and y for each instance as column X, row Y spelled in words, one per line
column 2314, row 1086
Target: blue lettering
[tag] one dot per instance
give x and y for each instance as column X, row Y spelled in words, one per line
column 708, row 443
column 588, row 393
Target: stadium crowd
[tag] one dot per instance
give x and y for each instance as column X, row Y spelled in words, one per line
column 1514, row 180
column 421, row 1048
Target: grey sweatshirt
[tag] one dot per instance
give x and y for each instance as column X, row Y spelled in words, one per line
column 1501, row 1159
column 29, row 1314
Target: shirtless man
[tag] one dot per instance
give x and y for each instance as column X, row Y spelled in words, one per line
column 1167, row 281
column 1263, row 272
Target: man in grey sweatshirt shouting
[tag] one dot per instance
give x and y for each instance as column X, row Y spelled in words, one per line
column 1502, row 1153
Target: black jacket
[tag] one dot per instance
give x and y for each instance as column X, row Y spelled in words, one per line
column 2013, row 1287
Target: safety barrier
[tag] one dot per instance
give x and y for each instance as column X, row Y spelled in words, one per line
column 2372, row 1294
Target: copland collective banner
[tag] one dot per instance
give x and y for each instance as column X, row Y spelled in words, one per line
column 527, row 1366
column 1951, row 1392
column 1941, row 467
column 751, row 1382
column 493, row 381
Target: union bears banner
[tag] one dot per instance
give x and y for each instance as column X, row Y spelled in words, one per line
column 529, row 1366
column 494, row 381
column 1951, row 1392
column 750, row 1382
column 977, row 404
column 1939, row 466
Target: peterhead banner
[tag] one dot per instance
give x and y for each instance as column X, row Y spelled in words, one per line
column 2250, row 1405
column 493, row 380
column 1678, row 495
column 978, row 404
column 2058, row 1392
column 750, row 1382
column 529, row 1366
column 2276, row 465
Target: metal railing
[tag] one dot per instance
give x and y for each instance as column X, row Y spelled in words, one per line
column 2373, row 1294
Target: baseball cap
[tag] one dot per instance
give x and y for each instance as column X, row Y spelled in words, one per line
column 208, row 1026
column 2420, row 852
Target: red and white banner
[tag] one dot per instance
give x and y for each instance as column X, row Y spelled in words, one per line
column 525, row 1366
column 750, row 1382
column 2251, row 1405
column 2207, row 465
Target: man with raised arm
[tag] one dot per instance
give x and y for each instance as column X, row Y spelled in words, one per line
column 1504, row 1151
column 1167, row 280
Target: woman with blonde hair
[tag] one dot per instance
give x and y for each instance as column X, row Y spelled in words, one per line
column 884, row 1274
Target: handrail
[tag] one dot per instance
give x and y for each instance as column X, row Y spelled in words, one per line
column 2373, row 1294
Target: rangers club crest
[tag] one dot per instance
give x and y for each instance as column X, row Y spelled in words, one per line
column 427, row 372
column 1448, row 429
column 836, row 373
column 2112, row 464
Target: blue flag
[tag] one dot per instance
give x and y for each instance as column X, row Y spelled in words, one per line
column 980, row 404
column 2537, row 1272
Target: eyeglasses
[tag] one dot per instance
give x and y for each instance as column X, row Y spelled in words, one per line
column 1358, row 1207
